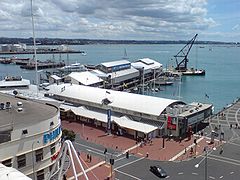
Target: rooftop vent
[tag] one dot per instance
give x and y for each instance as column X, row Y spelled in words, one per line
column 2, row 106
column 20, row 109
column 19, row 103
column 8, row 105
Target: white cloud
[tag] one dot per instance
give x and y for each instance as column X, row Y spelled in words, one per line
column 108, row 19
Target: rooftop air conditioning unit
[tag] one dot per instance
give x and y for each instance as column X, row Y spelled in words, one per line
column 8, row 105
column 19, row 104
column 20, row 109
column 2, row 106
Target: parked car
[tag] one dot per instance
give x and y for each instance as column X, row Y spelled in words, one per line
column 158, row 171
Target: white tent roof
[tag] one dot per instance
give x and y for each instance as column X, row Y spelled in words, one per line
column 8, row 173
column 130, row 124
column 86, row 77
column 121, row 100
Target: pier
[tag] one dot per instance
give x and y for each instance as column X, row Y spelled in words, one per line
column 41, row 52
column 43, row 65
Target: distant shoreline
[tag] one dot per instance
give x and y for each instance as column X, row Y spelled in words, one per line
column 59, row 41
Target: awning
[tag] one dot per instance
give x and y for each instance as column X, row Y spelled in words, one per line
column 125, row 122
column 90, row 114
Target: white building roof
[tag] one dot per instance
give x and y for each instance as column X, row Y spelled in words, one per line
column 115, row 63
column 125, row 122
column 124, row 72
column 23, row 82
column 55, row 77
column 86, row 77
column 121, row 100
column 9, row 173
column 147, row 64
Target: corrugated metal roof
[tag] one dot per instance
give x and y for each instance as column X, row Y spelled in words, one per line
column 121, row 100
column 115, row 63
column 86, row 77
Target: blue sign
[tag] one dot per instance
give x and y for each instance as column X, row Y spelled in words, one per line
column 109, row 113
column 50, row 136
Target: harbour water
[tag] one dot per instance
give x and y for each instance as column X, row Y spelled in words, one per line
column 220, row 85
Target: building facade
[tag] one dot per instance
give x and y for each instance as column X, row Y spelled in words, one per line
column 30, row 132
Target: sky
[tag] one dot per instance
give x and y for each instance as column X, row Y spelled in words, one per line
column 213, row 20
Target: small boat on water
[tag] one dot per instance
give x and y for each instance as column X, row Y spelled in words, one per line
column 194, row 72
column 76, row 67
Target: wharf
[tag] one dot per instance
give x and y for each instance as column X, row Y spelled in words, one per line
column 41, row 52
column 43, row 65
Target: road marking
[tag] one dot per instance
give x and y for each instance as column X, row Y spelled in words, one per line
column 87, row 170
column 134, row 177
column 237, row 164
column 140, row 154
column 231, row 172
column 211, row 177
column 195, row 173
column 95, row 149
column 183, row 151
column 234, row 143
column 180, row 173
column 95, row 152
column 129, row 163
column 220, row 177
column 225, row 158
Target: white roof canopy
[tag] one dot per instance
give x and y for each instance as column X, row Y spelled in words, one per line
column 125, row 122
column 86, row 77
column 120, row 100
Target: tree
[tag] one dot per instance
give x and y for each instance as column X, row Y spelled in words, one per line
column 68, row 135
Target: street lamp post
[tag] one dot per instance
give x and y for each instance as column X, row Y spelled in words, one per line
column 206, row 162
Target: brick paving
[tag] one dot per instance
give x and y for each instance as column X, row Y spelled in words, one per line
column 154, row 149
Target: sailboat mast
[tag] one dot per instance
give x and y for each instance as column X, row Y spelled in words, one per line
column 34, row 46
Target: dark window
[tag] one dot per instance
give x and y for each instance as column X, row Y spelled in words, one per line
column 53, row 149
column 39, row 155
column 21, row 160
column 7, row 162
column 40, row 175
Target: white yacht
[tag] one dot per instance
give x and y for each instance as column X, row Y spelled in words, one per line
column 76, row 67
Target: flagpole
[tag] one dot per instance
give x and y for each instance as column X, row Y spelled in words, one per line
column 34, row 45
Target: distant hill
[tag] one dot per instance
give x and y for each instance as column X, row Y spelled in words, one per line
column 59, row 41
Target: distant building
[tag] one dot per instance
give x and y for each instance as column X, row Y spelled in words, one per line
column 30, row 135
column 14, row 47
